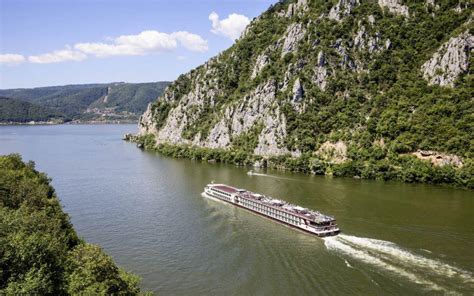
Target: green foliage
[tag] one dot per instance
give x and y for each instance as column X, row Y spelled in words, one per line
column 123, row 100
column 371, row 96
column 248, row 141
column 40, row 253
column 15, row 110
column 92, row 272
column 160, row 110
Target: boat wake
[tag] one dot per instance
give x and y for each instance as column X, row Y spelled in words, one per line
column 431, row 273
column 252, row 173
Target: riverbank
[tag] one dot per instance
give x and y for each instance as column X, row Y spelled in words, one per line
column 78, row 122
column 41, row 251
column 401, row 167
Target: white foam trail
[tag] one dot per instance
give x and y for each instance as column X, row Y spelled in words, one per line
column 251, row 173
column 348, row 264
column 391, row 257
column 258, row 174
column 333, row 243
column 389, row 249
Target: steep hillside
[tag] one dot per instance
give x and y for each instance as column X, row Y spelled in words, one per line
column 115, row 101
column 40, row 252
column 375, row 89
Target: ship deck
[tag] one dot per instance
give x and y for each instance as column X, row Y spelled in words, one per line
column 276, row 204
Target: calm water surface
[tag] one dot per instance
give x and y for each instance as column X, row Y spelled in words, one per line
column 147, row 212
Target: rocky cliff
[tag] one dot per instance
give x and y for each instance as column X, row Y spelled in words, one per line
column 310, row 73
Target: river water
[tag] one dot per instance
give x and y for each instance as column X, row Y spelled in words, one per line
column 147, row 212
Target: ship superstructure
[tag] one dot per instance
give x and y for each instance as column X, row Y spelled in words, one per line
column 302, row 218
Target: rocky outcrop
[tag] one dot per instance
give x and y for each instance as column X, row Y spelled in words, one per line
column 261, row 62
column 431, row 4
column 320, row 72
column 271, row 138
column 244, row 115
column 291, row 71
column 372, row 43
column 146, row 123
column 173, row 129
column 293, row 35
column 333, row 152
column 449, row 61
column 298, row 8
column 439, row 159
column 297, row 96
column 395, row 7
column 342, row 9
column 346, row 61
column 219, row 136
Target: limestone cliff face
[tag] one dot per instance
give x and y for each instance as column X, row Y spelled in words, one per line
column 395, row 6
column 449, row 61
column 303, row 76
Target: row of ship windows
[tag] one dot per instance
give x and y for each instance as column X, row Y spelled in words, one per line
column 221, row 192
column 272, row 212
column 224, row 197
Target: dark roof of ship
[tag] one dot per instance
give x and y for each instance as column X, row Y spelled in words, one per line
column 225, row 188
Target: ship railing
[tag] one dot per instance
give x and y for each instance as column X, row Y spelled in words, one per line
column 326, row 228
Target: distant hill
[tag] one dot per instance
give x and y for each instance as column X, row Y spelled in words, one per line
column 85, row 102
column 15, row 110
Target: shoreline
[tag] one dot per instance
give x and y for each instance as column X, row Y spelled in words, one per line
column 403, row 168
column 66, row 123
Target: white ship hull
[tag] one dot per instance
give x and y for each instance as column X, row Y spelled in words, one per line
column 287, row 214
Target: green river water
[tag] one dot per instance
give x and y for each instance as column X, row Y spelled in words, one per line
column 148, row 213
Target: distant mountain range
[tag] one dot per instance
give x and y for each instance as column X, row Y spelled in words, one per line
column 85, row 103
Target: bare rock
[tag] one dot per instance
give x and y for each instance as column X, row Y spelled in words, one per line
column 333, row 152
column 297, row 8
column 270, row 140
column 341, row 9
column 298, row 93
column 439, row 159
column 146, row 122
column 320, row 72
column 346, row 61
column 262, row 61
column 290, row 73
column 395, row 7
column 219, row 136
column 449, row 61
column 293, row 35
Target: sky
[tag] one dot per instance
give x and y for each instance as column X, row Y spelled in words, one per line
column 58, row 42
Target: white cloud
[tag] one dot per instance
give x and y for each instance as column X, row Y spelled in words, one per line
column 230, row 27
column 144, row 43
column 191, row 41
column 11, row 59
column 58, row 56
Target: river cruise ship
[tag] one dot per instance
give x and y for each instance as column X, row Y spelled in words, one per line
column 292, row 215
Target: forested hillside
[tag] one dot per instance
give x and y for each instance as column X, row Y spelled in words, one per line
column 15, row 110
column 40, row 253
column 88, row 102
column 373, row 89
